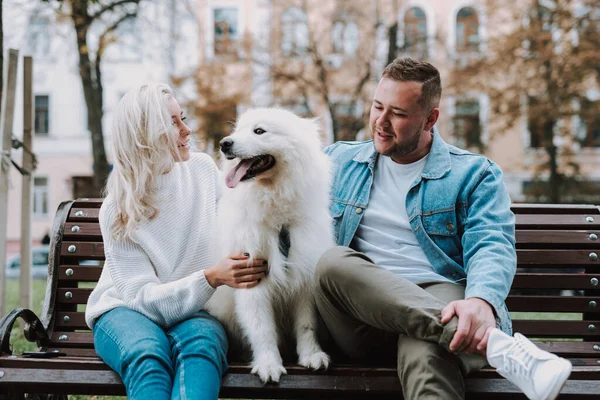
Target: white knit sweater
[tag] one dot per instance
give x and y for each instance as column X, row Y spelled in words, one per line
column 160, row 273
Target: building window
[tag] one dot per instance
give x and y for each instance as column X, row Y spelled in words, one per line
column 42, row 115
column 467, row 125
column 345, row 38
column 294, row 25
column 40, row 197
column 38, row 40
column 415, row 32
column 540, row 23
column 467, row 30
column 226, row 32
column 589, row 128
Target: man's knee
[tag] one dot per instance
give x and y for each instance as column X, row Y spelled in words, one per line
column 416, row 353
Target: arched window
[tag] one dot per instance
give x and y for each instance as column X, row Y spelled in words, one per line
column 294, row 25
column 467, row 30
column 226, row 31
column 344, row 36
column 415, row 32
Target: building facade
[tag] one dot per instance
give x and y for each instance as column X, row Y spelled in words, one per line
column 320, row 58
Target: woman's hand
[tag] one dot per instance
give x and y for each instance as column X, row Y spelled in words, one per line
column 236, row 271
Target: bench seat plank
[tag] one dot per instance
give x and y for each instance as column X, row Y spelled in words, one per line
column 74, row 380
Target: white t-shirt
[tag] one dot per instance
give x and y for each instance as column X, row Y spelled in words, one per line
column 384, row 233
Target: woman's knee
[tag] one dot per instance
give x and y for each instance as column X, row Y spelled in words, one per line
column 201, row 335
column 133, row 346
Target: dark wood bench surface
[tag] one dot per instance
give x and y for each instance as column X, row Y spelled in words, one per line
column 558, row 250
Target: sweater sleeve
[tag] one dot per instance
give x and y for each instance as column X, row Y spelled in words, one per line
column 134, row 278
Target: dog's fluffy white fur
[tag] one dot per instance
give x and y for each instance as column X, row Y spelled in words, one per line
column 293, row 194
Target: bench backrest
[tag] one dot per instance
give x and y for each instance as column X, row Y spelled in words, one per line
column 556, row 293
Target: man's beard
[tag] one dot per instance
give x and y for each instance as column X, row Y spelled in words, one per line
column 405, row 147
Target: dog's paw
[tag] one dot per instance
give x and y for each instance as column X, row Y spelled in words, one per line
column 315, row 361
column 269, row 371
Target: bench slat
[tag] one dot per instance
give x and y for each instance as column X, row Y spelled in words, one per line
column 73, row 320
column 79, row 381
column 556, row 257
column 72, row 339
column 577, row 304
column 73, row 295
column 82, row 230
column 556, row 221
column 87, row 273
column 557, row 329
column 581, row 238
column 83, row 214
column 553, row 209
column 555, row 281
column 82, row 250
column 88, row 203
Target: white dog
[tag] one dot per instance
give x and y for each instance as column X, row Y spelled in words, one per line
column 275, row 207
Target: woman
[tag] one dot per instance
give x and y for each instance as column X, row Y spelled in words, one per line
column 146, row 312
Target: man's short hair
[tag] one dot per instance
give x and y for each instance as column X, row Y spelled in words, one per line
column 410, row 70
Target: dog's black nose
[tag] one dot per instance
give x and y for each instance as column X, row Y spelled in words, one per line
column 226, row 144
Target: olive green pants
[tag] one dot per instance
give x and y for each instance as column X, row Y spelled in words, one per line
column 373, row 314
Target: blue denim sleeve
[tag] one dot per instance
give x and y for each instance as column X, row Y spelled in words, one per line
column 490, row 257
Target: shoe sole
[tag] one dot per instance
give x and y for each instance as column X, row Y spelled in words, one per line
column 564, row 375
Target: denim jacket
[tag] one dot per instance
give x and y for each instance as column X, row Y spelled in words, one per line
column 459, row 211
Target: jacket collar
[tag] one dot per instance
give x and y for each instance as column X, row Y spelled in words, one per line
column 438, row 163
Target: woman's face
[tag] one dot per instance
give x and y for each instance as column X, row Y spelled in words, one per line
column 183, row 140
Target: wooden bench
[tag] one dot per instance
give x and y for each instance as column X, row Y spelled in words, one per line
column 559, row 272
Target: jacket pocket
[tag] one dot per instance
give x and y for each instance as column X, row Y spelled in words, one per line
column 336, row 209
column 441, row 223
column 442, row 229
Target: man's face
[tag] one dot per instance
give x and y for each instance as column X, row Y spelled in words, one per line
column 398, row 122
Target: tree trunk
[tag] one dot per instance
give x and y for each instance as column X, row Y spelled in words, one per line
column 91, row 80
column 555, row 177
column 393, row 42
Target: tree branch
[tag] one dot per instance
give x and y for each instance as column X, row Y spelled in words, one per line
column 110, row 29
column 111, row 6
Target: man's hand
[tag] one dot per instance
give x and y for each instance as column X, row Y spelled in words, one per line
column 236, row 271
column 475, row 322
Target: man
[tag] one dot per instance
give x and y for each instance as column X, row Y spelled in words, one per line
column 431, row 253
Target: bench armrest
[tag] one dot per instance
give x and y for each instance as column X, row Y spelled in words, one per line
column 34, row 330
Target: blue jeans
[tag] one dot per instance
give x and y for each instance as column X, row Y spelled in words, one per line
column 185, row 361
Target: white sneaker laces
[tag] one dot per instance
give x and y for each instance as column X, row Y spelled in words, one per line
column 520, row 357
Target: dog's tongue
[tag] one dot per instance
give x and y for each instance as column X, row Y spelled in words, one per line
column 235, row 176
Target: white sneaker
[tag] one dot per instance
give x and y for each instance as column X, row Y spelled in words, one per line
column 538, row 373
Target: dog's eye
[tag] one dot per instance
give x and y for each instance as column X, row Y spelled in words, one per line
column 259, row 131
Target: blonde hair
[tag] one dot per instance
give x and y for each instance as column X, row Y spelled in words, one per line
column 143, row 144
